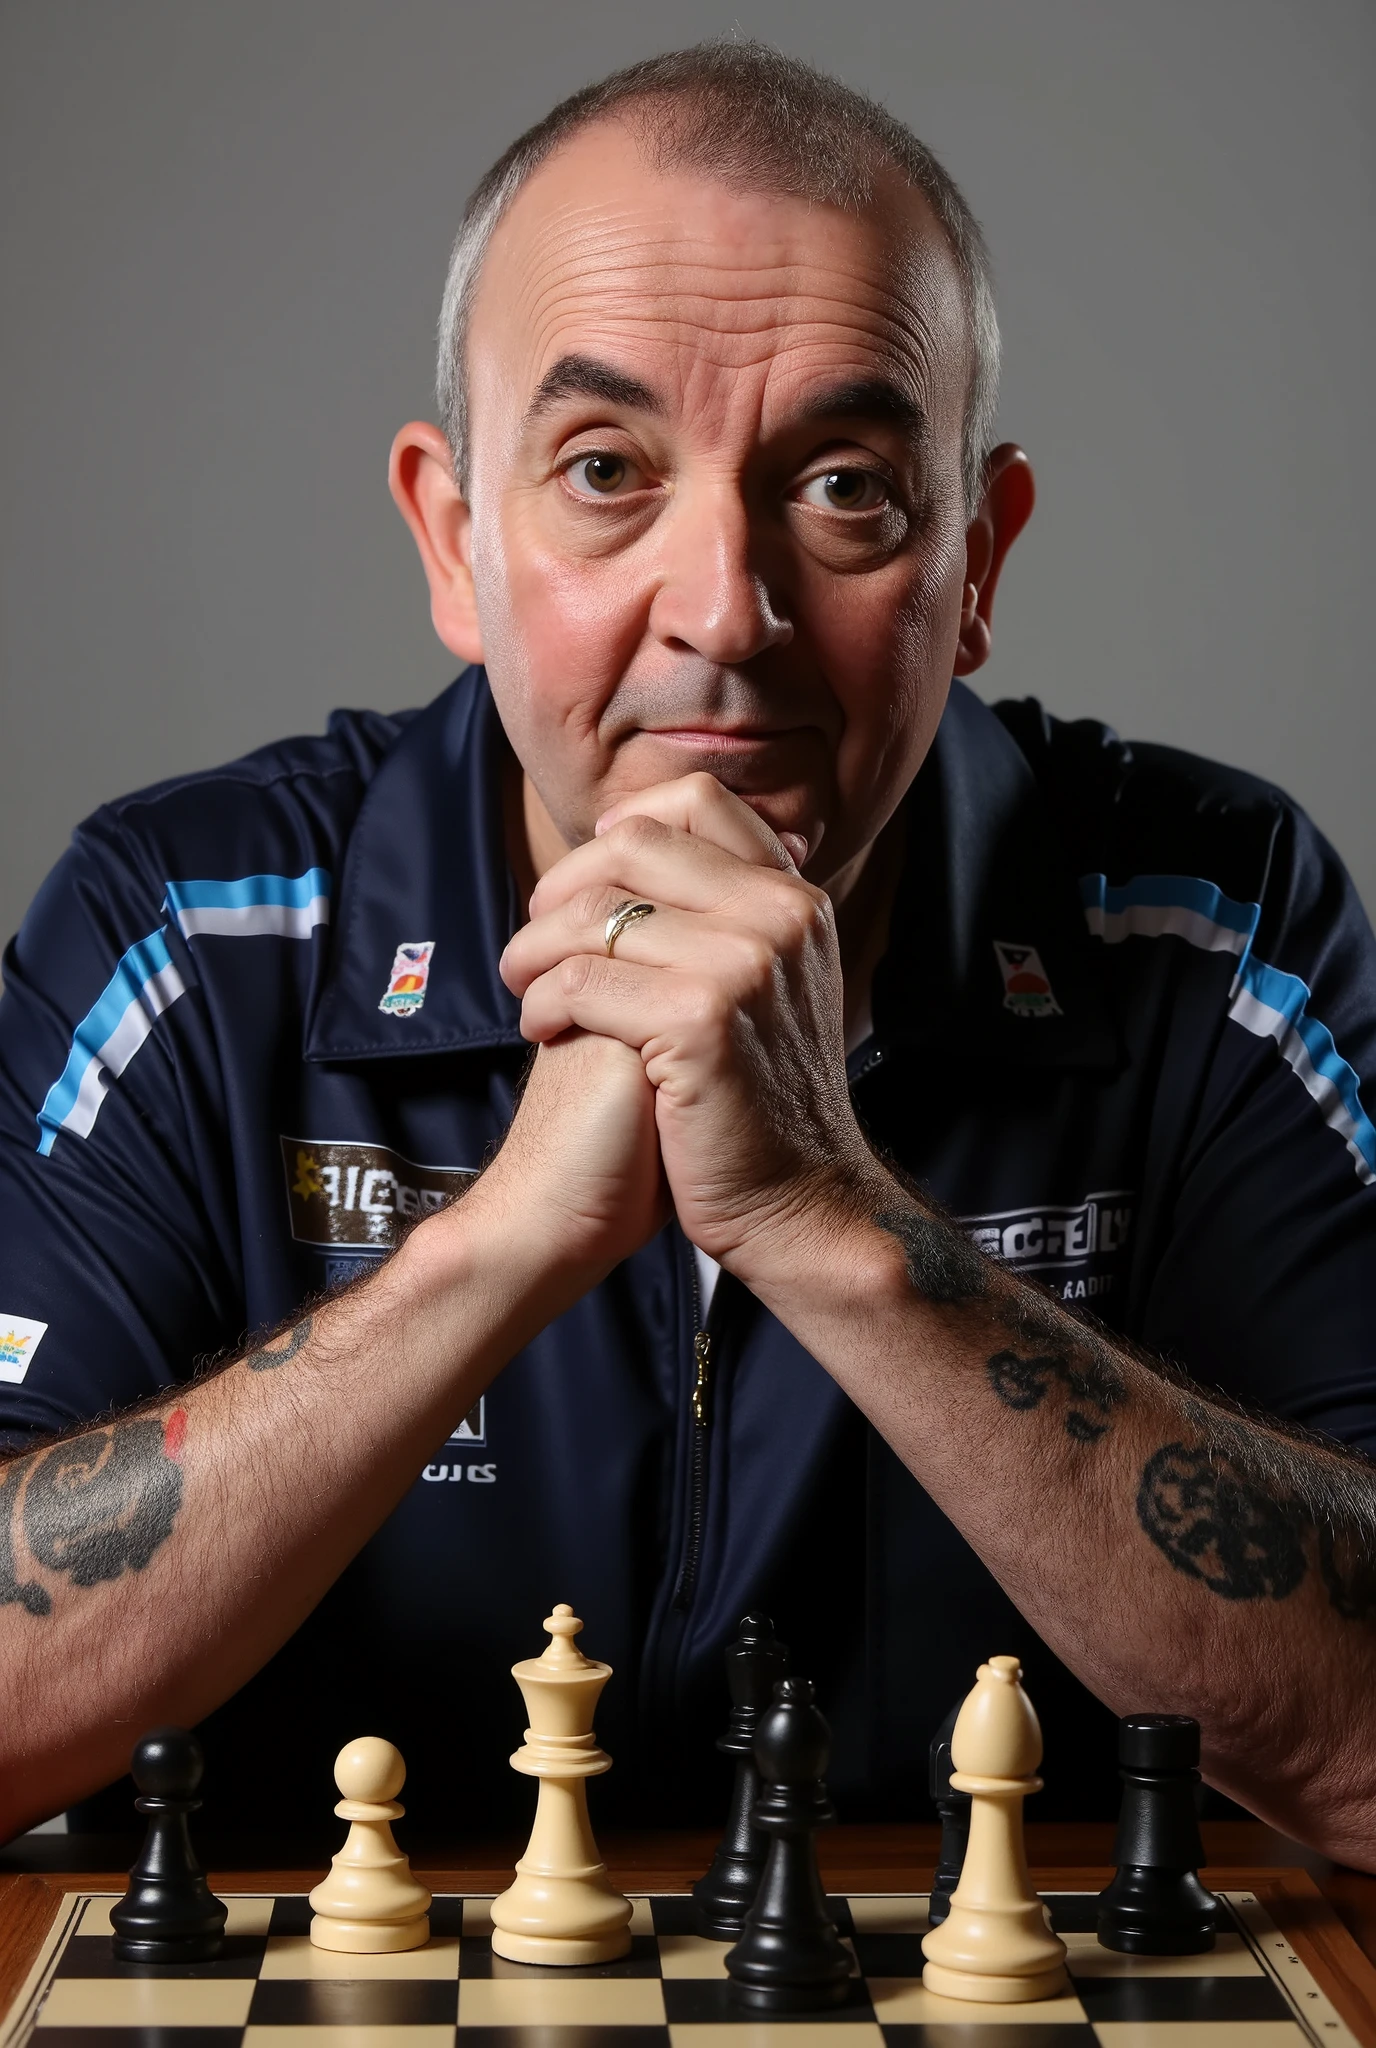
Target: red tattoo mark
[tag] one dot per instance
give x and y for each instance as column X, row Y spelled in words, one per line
column 174, row 1433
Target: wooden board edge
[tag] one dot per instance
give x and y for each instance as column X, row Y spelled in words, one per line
column 1321, row 1941
column 29, row 1908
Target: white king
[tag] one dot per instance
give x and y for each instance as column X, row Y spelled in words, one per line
column 562, row 1907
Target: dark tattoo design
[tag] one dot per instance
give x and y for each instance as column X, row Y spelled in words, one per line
column 104, row 1503
column 1244, row 1506
column 267, row 1357
column 1349, row 1572
column 1215, row 1524
column 943, row 1265
column 1024, row 1383
column 26, row 1593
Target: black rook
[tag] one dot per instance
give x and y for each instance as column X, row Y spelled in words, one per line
column 169, row 1913
column 1156, row 1905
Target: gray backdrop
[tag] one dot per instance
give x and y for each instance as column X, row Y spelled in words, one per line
column 222, row 238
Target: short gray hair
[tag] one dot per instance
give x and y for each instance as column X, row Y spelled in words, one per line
column 748, row 115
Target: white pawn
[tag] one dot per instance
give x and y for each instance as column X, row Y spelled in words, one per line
column 370, row 1904
column 563, row 1908
column 995, row 1945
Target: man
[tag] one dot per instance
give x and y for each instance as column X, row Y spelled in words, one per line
column 801, row 931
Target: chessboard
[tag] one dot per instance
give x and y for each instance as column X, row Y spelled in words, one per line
column 272, row 1989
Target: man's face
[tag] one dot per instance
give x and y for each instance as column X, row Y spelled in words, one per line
column 715, row 489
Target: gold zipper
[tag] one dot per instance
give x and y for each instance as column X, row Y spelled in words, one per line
column 702, row 1353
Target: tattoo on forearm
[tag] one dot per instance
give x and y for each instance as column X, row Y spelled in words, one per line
column 92, row 1507
column 942, row 1264
column 278, row 1350
column 15, row 1591
column 1244, row 1506
column 1214, row 1525
column 1055, row 1351
column 1025, row 1383
column 1251, row 1505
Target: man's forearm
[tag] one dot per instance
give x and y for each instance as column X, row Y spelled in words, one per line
column 150, row 1564
column 1177, row 1556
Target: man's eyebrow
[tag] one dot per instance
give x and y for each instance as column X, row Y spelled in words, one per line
column 869, row 398
column 586, row 377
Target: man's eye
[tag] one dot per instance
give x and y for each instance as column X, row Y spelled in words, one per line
column 602, row 476
column 846, row 490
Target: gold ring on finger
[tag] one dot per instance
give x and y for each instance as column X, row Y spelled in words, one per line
column 624, row 914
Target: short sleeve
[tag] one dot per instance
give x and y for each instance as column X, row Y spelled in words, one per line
column 118, row 1259
column 1267, row 1284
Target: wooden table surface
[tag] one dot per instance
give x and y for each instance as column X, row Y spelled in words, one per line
column 1328, row 1914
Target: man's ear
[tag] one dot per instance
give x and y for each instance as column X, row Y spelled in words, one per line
column 1004, row 510
column 420, row 472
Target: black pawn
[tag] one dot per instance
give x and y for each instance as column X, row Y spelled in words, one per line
column 953, row 1811
column 1156, row 1905
column 790, row 1957
column 169, row 1913
column 755, row 1663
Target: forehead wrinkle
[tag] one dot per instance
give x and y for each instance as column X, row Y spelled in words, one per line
column 614, row 279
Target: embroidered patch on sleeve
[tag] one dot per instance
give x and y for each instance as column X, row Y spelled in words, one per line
column 1026, row 989
column 406, row 983
column 20, row 1337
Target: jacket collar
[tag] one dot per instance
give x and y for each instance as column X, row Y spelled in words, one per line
column 984, row 863
column 426, row 860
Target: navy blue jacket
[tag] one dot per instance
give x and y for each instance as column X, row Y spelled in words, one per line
column 1124, row 1029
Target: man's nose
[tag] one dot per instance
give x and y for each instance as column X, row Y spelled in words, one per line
column 712, row 597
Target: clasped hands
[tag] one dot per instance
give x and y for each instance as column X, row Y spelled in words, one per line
column 734, row 1107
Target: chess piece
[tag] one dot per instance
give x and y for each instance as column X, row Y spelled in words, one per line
column 1156, row 1905
column 169, row 1913
column 953, row 1811
column 754, row 1664
column 995, row 1945
column 369, row 1904
column 790, row 1957
column 562, row 1907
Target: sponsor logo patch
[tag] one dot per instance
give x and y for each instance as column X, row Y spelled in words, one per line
column 1077, row 1249
column 406, row 983
column 20, row 1337
column 1026, row 989
column 363, row 1198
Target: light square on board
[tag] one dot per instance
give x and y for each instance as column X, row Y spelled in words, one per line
column 296, row 1955
column 692, row 1955
column 147, row 2002
column 546, row 2002
column 1201, row 2034
column 895, row 1913
column 799, row 2032
column 904, row 2000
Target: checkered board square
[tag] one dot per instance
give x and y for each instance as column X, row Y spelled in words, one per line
column 271, row 1989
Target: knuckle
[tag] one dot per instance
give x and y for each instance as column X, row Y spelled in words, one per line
column 592, row 906
column 637, row 833
column 760, row 957
column 575, row 973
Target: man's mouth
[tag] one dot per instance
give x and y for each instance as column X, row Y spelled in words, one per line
column 722, row 739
